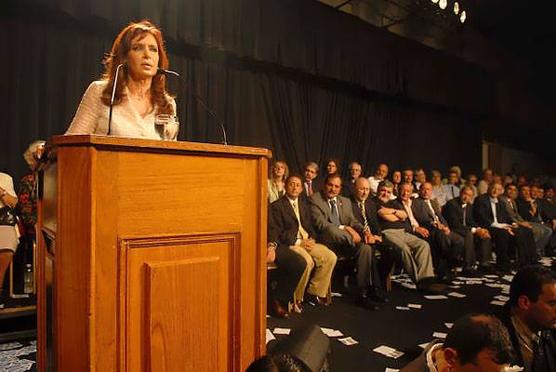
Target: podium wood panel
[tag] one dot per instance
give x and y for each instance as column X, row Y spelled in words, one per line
column 159, row 258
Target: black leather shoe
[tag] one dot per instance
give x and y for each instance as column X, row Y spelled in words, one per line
column 277, row 310
column 367, row 303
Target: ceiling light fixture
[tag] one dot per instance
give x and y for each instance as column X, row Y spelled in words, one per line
column 456, row 8
column 442, row 4
column 462, row 17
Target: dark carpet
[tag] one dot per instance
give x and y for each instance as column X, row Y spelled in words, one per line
column 403, row 330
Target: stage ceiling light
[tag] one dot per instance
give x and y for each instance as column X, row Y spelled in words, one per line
column 443, row 4
column 462, row 17
column 456, row 8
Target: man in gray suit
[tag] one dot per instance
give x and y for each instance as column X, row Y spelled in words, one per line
column 339, row 230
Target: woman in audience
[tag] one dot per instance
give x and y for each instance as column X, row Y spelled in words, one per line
column 332, row 167
column 27, row 201
column 276, row 183
column 140, row 92
column 8, row 231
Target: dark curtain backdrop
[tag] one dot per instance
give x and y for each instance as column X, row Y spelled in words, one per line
column 294, row 76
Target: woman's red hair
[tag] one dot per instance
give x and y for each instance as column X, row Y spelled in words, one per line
column 120, row 49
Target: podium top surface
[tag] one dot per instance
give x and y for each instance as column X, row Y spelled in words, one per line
column 112, row 142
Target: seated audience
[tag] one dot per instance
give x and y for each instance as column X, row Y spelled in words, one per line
column 491, row 215
column 438, row 191
column 380, row 175
column 485, row 181
column 521, row 180
column 476, row 342
column 497, row 178
column 541, row 233
column 311, row 183
column 354, row 173
column 458, row 213
column 451, row 188
column 530, row 316
column 338, row 229
column 276, row 183
column 546, row 210
column 365, row 210
column 290, row 225
column 408, row 177
column 396, row 180
column 457, row 169
column 332, row 167
column 420, row 178
column 472, row 182
column 446, row 246
column 508, row 179
column 396, row 231
column 8, row 231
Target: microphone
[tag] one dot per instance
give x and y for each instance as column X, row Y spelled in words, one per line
column 113, row 96
column 200, row 100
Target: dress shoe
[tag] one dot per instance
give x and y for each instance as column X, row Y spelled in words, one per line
column 316, row 300
column 296, row 307
column 277, row 310
column 378, row 295
column 367, row 303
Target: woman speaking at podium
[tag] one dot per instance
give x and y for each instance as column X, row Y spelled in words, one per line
column 140, row 95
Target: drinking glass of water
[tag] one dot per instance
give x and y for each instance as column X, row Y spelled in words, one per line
column 166, row 126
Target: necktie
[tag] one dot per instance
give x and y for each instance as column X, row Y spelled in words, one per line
column 334, row 216
column 302, row 233
column 365, row 221
column 310, row 188
column 434, row 216
column 464, row 214
column 453, row 192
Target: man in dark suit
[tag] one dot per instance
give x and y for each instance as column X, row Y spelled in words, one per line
column 446, row 246
column 355, row 171
column 541, row 232
column 491, row 215
column 290, row 225
column 458, row 213
column 365, row 210
column 311, row 183
column 339, row 229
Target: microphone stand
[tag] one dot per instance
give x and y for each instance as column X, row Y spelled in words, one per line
column 113, row 97
column 200, row 101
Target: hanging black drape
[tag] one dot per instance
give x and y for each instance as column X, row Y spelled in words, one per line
column 297, row 77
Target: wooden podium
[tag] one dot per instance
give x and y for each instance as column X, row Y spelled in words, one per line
column 151, row 256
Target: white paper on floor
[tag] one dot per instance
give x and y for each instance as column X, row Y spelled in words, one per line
column 269, row 336
column 281, row 331
column 348, row 341
column 388, row 351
